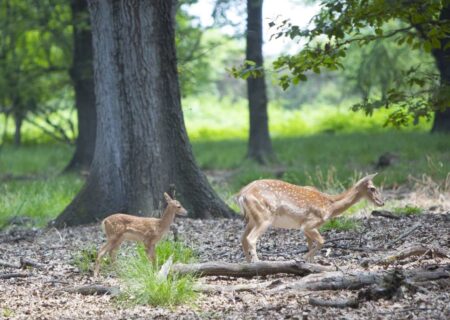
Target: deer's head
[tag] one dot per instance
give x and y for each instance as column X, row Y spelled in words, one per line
column 175, row 205
column 368, row 190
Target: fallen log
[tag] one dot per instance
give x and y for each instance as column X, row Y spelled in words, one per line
column 261, row 268
column 338, row 280
column 338, row 303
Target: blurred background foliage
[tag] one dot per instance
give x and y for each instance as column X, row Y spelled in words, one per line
column 318, row 139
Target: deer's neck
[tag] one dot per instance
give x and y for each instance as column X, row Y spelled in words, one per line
column 343, row 201
column 166, row 219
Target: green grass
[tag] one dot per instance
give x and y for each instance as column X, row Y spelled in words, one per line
column 340, row 224
column 85, row 259
column 311, row 159
column 41, row 200
column 140, row 277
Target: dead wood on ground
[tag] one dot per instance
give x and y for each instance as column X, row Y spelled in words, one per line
column 261, row 268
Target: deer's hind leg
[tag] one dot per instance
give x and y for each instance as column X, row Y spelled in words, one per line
column 101, row 252
column 313, row 234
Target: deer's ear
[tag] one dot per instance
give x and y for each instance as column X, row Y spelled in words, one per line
column 167, row 197
column 366, row 178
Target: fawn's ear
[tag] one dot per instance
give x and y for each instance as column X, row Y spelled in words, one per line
column 167, row 197
column 366, row 178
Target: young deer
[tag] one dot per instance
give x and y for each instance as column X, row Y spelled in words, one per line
column 119, row 227
column 266, row 203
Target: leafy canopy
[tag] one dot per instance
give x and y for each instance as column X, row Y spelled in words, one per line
column 343, row 24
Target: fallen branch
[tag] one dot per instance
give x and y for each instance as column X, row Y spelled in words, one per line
column 420, row 250
column 404, row 235
column 260, row 268
column 413, row 251
column 25, row 262
column 384, row 214
column 13, row 275
column 94, row 289
column 339, row 303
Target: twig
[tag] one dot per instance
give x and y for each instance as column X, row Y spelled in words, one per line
column 404, row 235
column 13, row 275
column 340, row 303
column 94, row 289
column 420, row 250
column 25, row 262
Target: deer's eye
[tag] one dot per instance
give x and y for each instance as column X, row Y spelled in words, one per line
column 373, row 189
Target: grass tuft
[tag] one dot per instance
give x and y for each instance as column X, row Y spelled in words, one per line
column 141, row 282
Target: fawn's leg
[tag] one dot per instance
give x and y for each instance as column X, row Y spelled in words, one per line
column 150, row 250
column 244, row 241
column 114, row 249
column 103, row 250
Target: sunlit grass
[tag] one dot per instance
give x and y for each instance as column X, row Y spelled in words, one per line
column 41, row 200
column 144, row 286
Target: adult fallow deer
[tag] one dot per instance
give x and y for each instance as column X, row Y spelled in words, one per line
column 276, row 203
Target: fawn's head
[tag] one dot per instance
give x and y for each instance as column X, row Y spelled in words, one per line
column 368, row 190
column 175, row 205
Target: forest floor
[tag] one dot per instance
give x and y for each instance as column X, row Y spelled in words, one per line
column 40, row 293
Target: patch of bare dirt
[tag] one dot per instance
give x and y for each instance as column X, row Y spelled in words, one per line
column 38, row 293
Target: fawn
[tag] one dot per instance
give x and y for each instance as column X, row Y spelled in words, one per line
column 119, row 227
column 276, row 203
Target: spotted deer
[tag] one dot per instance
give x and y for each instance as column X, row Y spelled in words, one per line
column 120, row 227
column 279, row 204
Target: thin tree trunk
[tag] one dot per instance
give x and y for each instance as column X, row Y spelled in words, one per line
column 442, row 56
column 142, row 147
column 259, row 143
column 18, row 121
column 83, row 81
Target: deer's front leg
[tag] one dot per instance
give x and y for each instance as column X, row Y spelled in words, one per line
column 244, row 241
column 150, row 250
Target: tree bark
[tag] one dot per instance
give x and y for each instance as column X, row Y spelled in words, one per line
column 442, row 56
column 261, row 268
column 18, row 121
column 142, row 147
column 83, row 81
column 259, row 143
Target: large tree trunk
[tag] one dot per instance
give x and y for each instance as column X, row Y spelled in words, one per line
column 83, row 81
column 142, row 147
column 442, row 56
column 259, row 143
